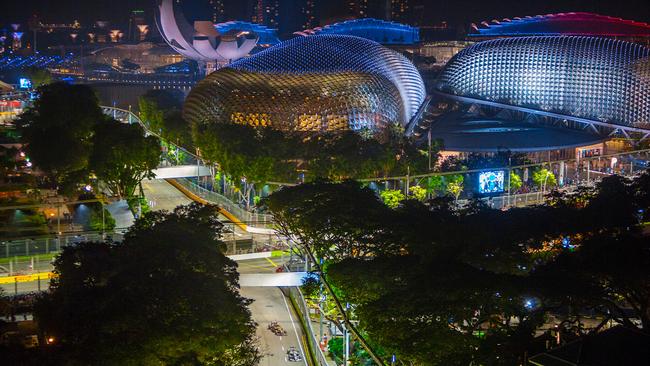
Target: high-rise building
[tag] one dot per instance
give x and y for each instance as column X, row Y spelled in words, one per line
column 400, row 11
column 309, row 14
column 218, row 11
column 138, row 27
column 287, row 16
column 395, row 10
column 266, row 12
column 213, row 10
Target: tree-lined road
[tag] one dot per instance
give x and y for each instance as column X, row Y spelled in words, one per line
column 271, row 305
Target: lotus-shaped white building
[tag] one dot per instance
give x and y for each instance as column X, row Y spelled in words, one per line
column 201, row 42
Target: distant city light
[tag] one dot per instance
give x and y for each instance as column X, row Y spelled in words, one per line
column 24, row 83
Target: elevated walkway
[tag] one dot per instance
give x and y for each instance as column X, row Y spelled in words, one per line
column 182, row 171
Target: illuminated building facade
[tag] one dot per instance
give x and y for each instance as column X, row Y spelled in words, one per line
column 568, row 24
column 267, row 36
column 310, row 85
column 380, row 31
column 598, row 81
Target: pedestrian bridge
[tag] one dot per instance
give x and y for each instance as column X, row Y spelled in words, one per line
column 166, row 172
column 182, row 171
column 282, row 279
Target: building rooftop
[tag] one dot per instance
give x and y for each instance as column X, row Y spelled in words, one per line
column 381, row 31
column 577, row 24
column 477, row 134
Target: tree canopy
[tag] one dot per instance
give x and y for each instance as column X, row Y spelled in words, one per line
column 68, row 137
column 161, row 110
column 123, row 156
column 166, row 295
column 439, row 285
column 263, row 154
column 58, row 129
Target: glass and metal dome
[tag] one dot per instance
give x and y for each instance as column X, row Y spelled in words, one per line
column 317, row 83
column 568, row 24
column 381, row 31
column 594, row 79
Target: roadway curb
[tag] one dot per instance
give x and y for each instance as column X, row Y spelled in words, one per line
column 200, row 200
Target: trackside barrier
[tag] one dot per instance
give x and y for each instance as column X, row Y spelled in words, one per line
column 297, row 298
column 33, row 255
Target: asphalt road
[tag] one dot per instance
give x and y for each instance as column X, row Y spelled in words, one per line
column 270, row 305
column 162, row 195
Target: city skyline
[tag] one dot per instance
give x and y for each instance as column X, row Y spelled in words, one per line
column 426, row 11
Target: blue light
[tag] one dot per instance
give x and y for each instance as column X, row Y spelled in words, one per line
column 381, row 31
column 24, row 83
column 529, row 303
column 268, row 36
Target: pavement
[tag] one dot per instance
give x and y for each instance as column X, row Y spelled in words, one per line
column 162, row 195
column 121, row 213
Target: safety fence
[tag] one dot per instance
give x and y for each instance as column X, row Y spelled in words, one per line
column 32, row 255
column 301, row 307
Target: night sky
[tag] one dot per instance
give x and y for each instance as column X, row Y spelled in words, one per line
column 454, row 11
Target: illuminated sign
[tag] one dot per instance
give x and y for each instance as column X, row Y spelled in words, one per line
column 24, row 83
column 491, row 181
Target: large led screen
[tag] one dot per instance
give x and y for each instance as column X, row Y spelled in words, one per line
column 491, row 181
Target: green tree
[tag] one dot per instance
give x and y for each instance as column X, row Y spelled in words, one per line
column 418, row 193
column 392, row 197
column 58, row 130
column 253, row 156
column 166, row 295
column 161, row 111
column 454, row 185
column 99, row 222
column 544, row 178
column 438, row 286
column 312, row 209
column 7, row 162
column 154, row 105
column 123, row 156
column 608, row 273
column 39, row 76
column 515, row 182
column 435, row 185
column 176, row 130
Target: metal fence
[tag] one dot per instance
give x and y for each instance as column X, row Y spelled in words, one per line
column 251, row 218
column 513, row 200
column 25, row 254
column 303, row 310
column 25, row 247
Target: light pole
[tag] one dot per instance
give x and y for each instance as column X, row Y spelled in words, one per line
column 509, row 176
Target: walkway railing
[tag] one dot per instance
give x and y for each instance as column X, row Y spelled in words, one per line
column 249, row 218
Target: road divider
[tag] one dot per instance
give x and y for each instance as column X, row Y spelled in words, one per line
column 27, row 278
